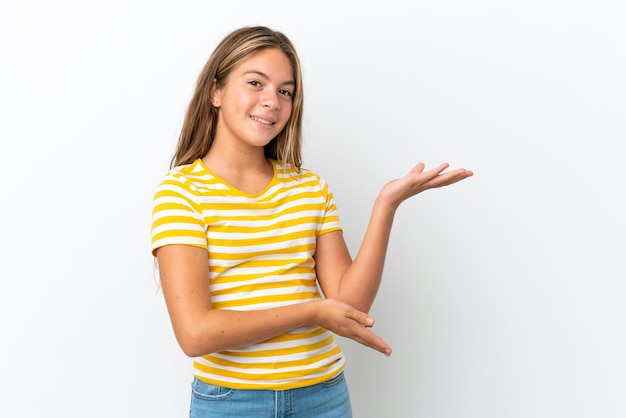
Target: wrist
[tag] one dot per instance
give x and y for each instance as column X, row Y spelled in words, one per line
column 314, row 309
column 386, row 203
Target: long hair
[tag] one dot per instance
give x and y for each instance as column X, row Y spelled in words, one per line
column 200, row 121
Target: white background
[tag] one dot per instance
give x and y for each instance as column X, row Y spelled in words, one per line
column 503, row 295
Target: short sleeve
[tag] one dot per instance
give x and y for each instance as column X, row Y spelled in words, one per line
column 176, row 215
column 331, row 215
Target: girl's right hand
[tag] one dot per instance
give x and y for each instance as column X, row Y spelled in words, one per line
column 344, row 320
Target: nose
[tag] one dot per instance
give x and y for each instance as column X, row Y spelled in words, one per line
column 270, row 100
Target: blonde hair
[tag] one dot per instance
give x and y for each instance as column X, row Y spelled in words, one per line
column 200, row 121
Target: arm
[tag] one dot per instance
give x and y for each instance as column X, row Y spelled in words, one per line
column 357, row 283
column 199, row 329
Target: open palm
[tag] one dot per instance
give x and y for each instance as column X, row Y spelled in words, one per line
column 418, row 180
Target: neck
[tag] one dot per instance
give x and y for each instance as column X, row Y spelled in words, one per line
column 239, row 162
column 250, row 173
column 236, row 158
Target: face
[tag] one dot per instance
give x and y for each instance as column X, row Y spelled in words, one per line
column 256, row 101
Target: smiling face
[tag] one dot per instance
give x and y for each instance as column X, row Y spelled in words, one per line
column 256, row 101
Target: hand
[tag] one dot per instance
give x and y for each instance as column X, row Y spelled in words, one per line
column 344, row 320
column 418, row 180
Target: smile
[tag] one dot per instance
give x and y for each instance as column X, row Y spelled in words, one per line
column 263, row 121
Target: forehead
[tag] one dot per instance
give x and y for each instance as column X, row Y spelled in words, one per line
column 272, row 62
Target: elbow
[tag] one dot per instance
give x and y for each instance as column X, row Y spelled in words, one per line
column 191, row 344
column 190, row 350
column 362, row 304
column 196, row 338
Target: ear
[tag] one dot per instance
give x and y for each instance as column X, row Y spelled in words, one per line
column 214, row 91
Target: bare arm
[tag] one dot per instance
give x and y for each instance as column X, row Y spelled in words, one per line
column 200, row 329
column 357, row 283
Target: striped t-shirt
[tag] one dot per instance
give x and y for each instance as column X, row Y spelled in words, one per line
column 260, row 255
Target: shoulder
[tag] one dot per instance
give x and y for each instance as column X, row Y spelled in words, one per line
column 303, row 180
column 194, row 178
column 286, row 171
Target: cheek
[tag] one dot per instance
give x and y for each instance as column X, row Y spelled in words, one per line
column 285, row 110
column 244, row 102
column 284, row 118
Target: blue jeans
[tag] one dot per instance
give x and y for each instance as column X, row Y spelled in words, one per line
column 329, row 399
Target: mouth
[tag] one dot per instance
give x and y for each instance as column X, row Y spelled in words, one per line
column 261, row 120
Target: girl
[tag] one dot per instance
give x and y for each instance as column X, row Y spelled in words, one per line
column 247, row 242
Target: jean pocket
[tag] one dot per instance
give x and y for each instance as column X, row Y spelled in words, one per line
column 210, row 392
column 334, row 381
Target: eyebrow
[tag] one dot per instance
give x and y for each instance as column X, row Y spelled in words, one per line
column 266, row 77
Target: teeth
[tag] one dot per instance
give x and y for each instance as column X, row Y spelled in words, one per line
column 263, row 121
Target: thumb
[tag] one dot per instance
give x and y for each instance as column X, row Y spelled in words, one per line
column 364, row 319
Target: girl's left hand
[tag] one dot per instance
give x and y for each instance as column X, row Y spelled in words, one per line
column 418, row 180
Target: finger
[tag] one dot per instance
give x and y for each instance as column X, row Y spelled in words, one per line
column 362, row 318
column 439, row 168
column 458, row 175
column 435, row 172
column 451, row 177
column 418, row 168
column 373, row 341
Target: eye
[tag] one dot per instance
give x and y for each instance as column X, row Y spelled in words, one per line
column 285, row 93
column 255, row 83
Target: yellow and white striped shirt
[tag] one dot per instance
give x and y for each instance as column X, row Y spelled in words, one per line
column 260, row 255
